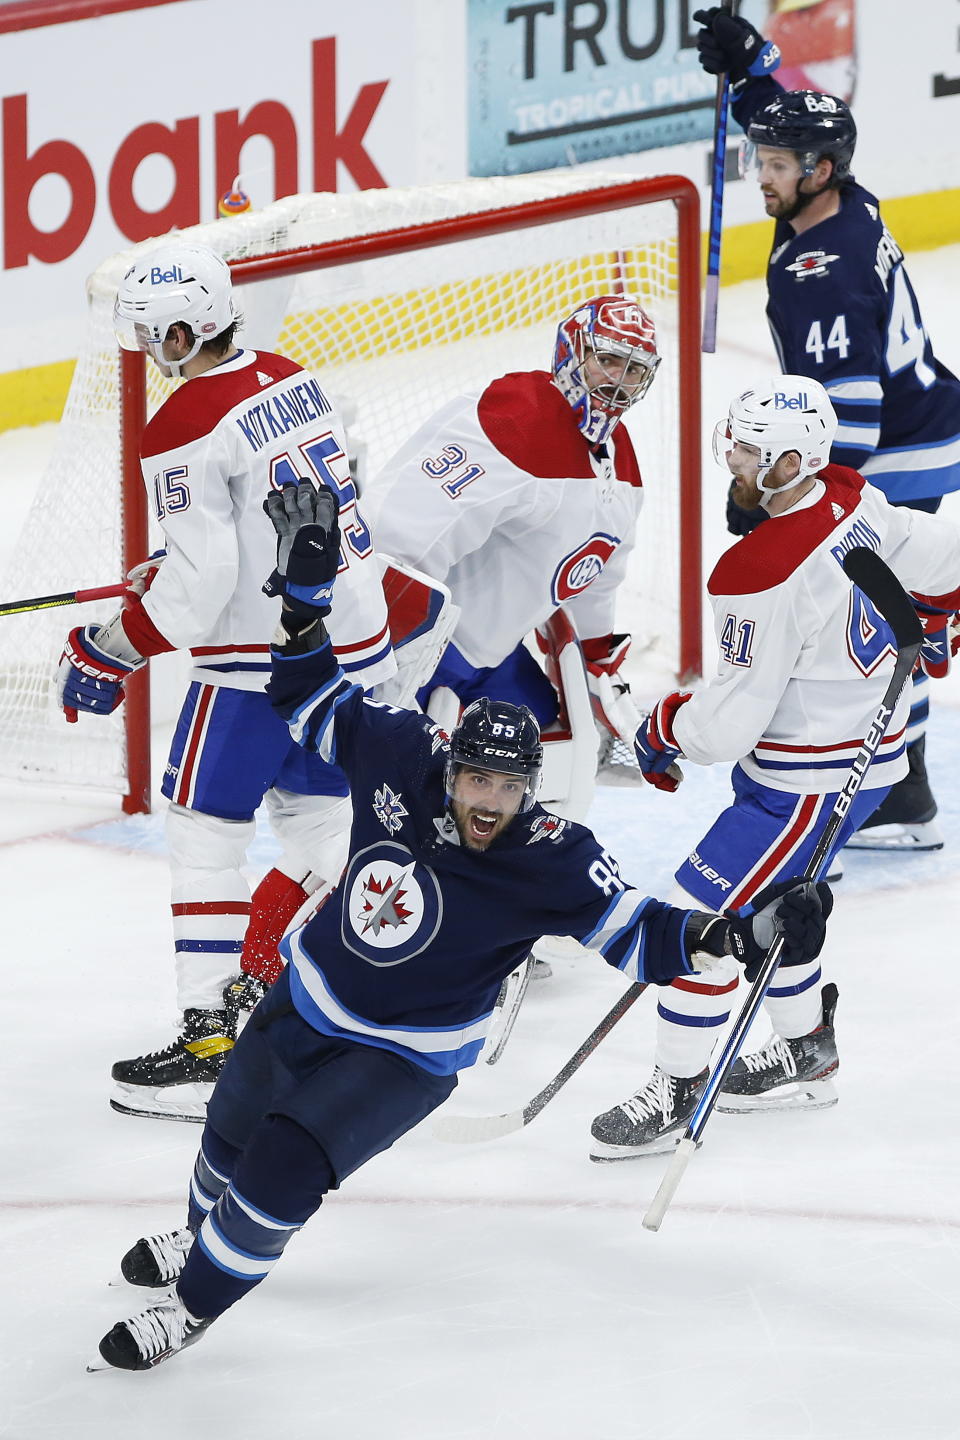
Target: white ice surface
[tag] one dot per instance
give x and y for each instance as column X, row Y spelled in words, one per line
column 804, row 1284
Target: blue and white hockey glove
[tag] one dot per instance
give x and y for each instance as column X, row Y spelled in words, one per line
column 797, row 909
column 941, row 640
column 90, row 678
column 308, row 548
column 729, row 45
column 655, row 746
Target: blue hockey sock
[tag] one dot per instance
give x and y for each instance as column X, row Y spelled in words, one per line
column 279, row 1182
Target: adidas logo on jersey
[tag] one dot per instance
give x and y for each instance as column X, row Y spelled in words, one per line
column 837, row 510
column 264, row 379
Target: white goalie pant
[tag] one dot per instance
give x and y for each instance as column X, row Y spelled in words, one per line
column 210, row 897
column 693, row 1010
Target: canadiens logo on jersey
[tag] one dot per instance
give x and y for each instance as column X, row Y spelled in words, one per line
column 392, row 905
column 811, row 262
column 389, row 808
column 581, row 567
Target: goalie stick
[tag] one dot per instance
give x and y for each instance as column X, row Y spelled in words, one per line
column 869, row 573
column 68, row 597
column 465, row 1129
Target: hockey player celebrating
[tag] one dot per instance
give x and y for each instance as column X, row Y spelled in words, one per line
column 804, row 663
column 454, row 870
column 524, row 498
column 243, row 422
column 842, row 310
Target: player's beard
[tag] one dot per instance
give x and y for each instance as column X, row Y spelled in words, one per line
column 471, row 827
column 788, row 210
column 747, row 493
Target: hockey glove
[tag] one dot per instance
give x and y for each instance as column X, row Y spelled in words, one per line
column 655, row 745
column 741, row 522
column 730, row 45
column 797, row 909
column 89, row 677
column 142, row 576
column 308, row 547
column 941, row 640
column 613, row 709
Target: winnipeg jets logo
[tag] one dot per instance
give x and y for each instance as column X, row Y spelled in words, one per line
column 546, row 827
column 837, row 510
column 811, row 262
column 381, row 903
column 389, row 809
column 392, row 905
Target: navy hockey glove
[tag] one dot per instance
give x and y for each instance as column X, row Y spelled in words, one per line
column 741, row 522
column 655, row 745
column 89, row 678
column 729, row 45
column 308, row 547
column 797, row 909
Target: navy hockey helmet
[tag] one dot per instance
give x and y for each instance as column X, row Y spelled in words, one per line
column 495, row 735
column 812, row 124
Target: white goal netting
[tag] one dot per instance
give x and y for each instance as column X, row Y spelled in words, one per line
column 391, row 337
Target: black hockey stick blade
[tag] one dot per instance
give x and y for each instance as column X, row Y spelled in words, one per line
column 466, row 1129
column 877, row 581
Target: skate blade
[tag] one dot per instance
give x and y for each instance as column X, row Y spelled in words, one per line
column 913, row 839
column 808, row 1095
column 186, row 1103
column 603, row 1154
column 97, row 1364
column 120, row 1281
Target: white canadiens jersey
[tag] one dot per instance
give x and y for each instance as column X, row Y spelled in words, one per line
column 210, row 456
column 805, row 657
column 500, row 497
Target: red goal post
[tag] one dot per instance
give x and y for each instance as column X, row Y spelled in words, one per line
column 399, row 299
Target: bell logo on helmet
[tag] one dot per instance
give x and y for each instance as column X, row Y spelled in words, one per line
column 789, row 402
column 165, row 277
column 820, row 104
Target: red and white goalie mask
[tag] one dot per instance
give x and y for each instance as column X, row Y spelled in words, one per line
column 605, row 360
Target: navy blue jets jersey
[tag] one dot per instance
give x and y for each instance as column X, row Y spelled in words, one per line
column 842, row 310
column 410, row 950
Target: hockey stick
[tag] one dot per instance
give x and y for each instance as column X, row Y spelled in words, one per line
column 869, row 573
column 69, row 597
column 509, row 1002
column 465, row 1129
column 711, row 292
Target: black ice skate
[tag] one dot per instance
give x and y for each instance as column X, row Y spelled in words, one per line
column 787, row 1074
column 147, row 1339
column 905, row 819
column 175, row 1083
column 157, row 1260
column 650, row 1122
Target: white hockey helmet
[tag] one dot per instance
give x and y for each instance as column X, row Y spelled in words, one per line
column 793, row 412
column 176, row 282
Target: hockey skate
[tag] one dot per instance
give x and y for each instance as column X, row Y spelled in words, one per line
column 156, row 1261
column 176, row 1083
column 649, row 1122
column 904, row 821
column 787, row 1074
column 147, row 1339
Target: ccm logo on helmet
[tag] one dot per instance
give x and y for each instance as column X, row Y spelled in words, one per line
column 789, row 402
column 580, row 568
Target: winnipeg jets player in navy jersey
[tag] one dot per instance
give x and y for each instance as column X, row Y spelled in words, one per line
column 842, row 310
column 453, row 871
column 242, row 422
column 804, row 662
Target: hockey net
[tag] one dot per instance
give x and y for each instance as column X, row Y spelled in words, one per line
column 398, row 299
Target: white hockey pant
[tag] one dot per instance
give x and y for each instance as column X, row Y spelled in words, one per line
column 692, row 1012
